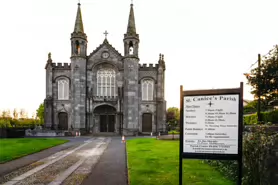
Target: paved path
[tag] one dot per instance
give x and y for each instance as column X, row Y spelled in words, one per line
column 111, row 168
column 29, row 159
column 91, row 160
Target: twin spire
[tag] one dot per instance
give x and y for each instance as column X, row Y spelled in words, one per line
column 78, row 27
column 131, row 29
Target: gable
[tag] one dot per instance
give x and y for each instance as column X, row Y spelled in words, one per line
column 105, row 46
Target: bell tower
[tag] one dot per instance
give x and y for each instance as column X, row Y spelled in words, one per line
column 131, row 38
column 131, row 60
column 78, row 37
column 78, row 73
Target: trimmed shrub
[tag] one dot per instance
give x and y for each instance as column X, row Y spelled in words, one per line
column 21, row 123
column 250, row 119
column 258, row 158
column 248, row 109
column 5, row 123
column 271, row 117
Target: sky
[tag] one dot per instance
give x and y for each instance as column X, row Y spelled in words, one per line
column 206, row 44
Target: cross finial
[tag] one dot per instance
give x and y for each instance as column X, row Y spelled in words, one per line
column 105, row 33
column 131, row 1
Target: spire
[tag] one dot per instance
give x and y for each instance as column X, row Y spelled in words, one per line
column 78, row 27
column 131, row 30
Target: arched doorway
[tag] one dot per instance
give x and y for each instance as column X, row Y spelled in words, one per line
column 63, row 121
column 107, row 118
column 147, row 122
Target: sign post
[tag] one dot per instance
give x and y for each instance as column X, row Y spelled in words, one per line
column 211, row 123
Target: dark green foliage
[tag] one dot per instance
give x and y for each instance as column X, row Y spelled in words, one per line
column 40, row 113
column 20, row 123
column 173, row 117
column 267, row 117
column 258, row 152
column 249, row 109
column 227, row 168
column 252, row 107
column 267, row 81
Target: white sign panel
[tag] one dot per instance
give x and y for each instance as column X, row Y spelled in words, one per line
column 211, row 124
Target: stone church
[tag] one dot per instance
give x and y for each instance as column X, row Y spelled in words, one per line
column 105, row 91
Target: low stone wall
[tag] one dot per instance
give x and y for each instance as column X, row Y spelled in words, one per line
column 43, row 133
column 169, row 137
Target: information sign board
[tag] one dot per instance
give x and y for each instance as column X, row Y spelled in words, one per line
column 211, row 124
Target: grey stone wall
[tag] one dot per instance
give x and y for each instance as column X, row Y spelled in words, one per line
column 78, row 90
column 161, row 108
column 58, row 104
column 130, row 117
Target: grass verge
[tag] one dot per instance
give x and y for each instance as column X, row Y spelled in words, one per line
column 154, row 162
column 11, row 149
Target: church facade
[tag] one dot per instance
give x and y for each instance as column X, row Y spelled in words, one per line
column 105, row 91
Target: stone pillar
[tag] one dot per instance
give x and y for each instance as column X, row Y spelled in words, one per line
column 160, row 108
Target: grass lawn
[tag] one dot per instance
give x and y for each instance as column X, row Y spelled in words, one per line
column 15, row 148
column 153, row 162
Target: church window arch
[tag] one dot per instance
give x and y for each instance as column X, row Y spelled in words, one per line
column 147, row 89
column 63, row 89
column 106, row 82
column 130, row 48
column 77, row 47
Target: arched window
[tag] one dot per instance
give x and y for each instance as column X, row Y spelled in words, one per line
column 106, row 82
column 77, row 47
column 63, row 89
column 147, row 90
column 130, row 48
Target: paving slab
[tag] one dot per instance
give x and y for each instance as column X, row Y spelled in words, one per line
column 111, row 167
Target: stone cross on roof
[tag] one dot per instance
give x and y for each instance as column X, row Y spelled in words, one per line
column 105, row 33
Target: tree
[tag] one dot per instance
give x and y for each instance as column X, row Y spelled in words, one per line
column 40, row 113
column 4, row 114
column 15, row 114
column 8, row 112
column 267, row 81
column 23, row 114
column 173, row 116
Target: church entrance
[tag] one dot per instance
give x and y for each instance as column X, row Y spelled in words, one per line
column 107, row 118
column 107, row 123
column 147, row 122
column 63, row 121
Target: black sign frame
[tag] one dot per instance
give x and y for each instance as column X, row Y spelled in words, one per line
column 238, row 156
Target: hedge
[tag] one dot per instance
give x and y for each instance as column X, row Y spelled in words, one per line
column 258, row 158
column 21, row 123
column 271, row 117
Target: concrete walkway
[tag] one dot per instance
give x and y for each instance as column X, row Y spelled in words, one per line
column 10, row 166
column 111, row 167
